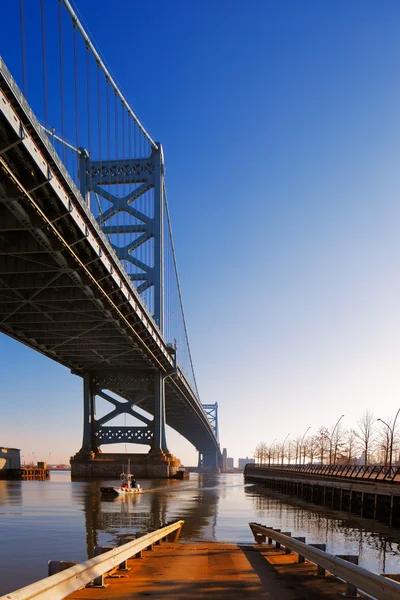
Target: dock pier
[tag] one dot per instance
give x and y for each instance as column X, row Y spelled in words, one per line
column 368, row 492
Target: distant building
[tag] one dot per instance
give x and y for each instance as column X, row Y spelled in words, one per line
column 245, row 461
column 224, row 455
column 229, row 462
column 10, row 458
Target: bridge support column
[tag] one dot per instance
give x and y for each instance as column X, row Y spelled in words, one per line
column 159, row 445
column 208, row 460
column 89, row 443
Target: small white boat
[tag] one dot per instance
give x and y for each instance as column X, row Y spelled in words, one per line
column 129, row 485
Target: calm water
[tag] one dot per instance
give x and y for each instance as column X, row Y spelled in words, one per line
column 64, row 520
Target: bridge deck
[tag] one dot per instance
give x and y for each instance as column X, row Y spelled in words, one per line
column 215, row 570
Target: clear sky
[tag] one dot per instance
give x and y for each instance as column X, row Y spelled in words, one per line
column 280, row 123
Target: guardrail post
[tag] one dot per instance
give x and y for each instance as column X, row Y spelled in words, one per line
column 289, row 534
column 124, row 565
column 99, row 581
column 320, row 570
column 56, row 566
column 301, row 558
column 174, row 536
column 351, row 590
column 270, row 540
column 277, row 544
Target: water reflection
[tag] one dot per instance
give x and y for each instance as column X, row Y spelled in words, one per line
column 112, row 519
column 10, row 493
column 64, row 520
column 378, row 547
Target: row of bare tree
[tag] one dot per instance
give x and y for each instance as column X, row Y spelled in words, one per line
column 373, row 441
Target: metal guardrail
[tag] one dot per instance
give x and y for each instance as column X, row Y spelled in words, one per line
column 368, row 472
column 72, row 579
column 375, row 585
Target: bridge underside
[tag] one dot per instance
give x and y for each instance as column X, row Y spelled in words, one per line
column 62, row 290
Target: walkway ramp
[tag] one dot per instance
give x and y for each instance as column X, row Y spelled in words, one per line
column 184, row 570
column 215, row 571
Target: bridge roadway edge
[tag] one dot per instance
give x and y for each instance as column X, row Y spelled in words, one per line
column 369, row 499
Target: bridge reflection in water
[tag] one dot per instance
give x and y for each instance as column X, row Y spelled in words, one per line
column 114, row 518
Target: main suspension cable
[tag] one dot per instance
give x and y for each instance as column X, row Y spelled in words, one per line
column 106, row 72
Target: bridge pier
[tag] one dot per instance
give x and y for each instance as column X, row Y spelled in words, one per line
column 89, row 442
column 91, row 462
column 208, row 460
column 159, row 445
column 103, row 465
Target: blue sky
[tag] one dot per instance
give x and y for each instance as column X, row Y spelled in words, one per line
column 280, row 124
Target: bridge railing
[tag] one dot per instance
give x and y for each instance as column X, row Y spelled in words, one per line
column 370, row 472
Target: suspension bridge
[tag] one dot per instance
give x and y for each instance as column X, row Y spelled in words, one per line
column 88, row 271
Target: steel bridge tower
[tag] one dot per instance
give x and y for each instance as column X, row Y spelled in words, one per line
column 147, row 173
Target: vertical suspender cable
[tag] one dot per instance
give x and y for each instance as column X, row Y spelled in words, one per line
column 44, row 64
column 124, row 185
column 99, row 139
column 88, row 113
column 23, row 47
column 116, row 136
column 76, row 88
column 179, row 288
column 89, row 120
column 62, row 105
column 108, row 123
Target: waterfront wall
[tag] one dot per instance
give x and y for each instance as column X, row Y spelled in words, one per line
column 146, row 466
column 376, row 500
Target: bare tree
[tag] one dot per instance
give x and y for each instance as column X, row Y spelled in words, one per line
column 322, row 443
column 365, row 433
column 297, row 449
column 269, row 453
column 275, row 452
column 352, row 445
column 337, row 442
column 260, row 453
column 289, row 451
column 383, row 444
column 312, row 447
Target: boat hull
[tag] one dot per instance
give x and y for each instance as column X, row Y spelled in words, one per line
column 118, row 491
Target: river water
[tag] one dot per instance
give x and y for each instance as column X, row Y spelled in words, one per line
column 64, row 520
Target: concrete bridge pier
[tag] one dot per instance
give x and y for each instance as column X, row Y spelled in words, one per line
column 209, row 461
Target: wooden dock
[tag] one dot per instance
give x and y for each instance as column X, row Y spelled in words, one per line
column 26, row 473
column 194, row 571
